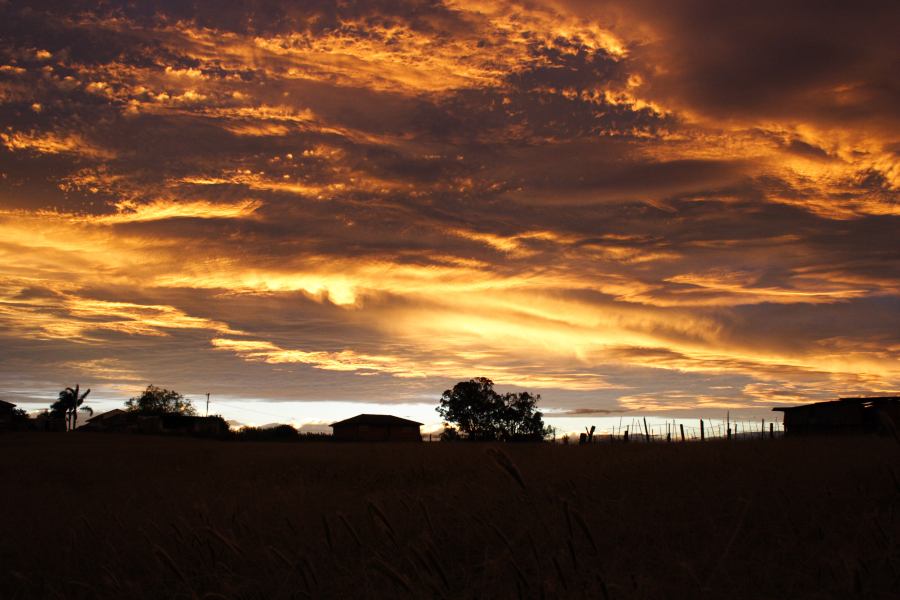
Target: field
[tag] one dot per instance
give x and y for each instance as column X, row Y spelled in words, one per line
column 106, row 516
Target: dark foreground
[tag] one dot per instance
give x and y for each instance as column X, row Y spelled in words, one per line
column 102, row 516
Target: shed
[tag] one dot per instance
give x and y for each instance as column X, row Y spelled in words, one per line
column 845, row 415
column 376, row 428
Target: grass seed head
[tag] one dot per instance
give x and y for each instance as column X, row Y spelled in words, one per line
column 507, row 465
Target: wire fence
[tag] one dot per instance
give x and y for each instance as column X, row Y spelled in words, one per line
column 638, row 430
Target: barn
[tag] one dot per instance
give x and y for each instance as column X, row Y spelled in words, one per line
column 845, row 415
column 376, row 428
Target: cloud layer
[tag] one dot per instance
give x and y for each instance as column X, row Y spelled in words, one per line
column 638, row 206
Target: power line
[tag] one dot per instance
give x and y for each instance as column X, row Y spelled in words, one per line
column 248, row 409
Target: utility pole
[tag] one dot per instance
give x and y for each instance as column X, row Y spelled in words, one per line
column 207, row 404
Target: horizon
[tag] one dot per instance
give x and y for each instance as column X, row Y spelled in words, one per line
column 316, row 417
column 629, row 208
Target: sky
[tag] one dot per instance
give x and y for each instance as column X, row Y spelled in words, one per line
column 315, row 209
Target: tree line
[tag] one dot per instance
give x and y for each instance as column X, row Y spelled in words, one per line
column 471, row 411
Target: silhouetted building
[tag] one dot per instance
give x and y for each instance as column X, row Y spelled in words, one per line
column 48, row 421
column 376, row 428
column 846, row 415
column 112, row 420
column 123, row 421
column 6, row 414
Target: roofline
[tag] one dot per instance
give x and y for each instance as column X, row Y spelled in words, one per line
column 112, row 410
column 409, row 421
column 849, row 400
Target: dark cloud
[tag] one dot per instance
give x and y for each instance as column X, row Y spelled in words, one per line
column 832, row 61
column 585, row 412
column 803, row 149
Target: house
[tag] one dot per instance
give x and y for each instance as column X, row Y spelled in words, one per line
column 112, row 420
column 47, row 421
column 123, row 421
column 6, row 414
column 845, row 415
column 376, row 428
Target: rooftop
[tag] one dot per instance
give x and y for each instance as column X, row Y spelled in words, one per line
column 376, row 420
column 107, row 414
column 841, row 402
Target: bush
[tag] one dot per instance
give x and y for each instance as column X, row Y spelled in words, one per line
column 279, row 433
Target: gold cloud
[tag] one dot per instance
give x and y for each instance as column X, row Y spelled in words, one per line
column 53, row 143
column 132, row 212
column 519, row 300
column 449, row 365
column 465, row 305
column 70, row 317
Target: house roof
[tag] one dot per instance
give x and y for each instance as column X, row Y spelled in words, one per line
column 840, row 402
column 5, row 404
column 106, row 415
column 376, row 421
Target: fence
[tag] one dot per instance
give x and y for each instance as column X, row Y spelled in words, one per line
column 638, row 430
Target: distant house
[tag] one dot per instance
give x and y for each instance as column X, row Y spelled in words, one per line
column 123, row 421
column 6, row 414
column 47, row 421
column 376, row 428
column 845, row 415
column 112, row 420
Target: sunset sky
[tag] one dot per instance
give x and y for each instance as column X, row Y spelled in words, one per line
column 643, row 207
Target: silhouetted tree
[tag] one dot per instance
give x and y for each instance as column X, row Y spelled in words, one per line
column 279, row 433
column 483, row 414
column 160, row 401
column 449, row 434
column 68, row 404
column 19, row 420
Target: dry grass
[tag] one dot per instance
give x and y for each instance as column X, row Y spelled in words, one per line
column 102, row 516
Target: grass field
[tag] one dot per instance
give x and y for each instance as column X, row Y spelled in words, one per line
column 94, row 515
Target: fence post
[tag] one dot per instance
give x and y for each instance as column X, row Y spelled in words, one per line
column 772, row 430
column 702, row 432
column 682, row 431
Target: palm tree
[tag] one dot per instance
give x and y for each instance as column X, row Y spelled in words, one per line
column 68, row 404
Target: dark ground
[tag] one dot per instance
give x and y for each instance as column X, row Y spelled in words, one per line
column 94, row 515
